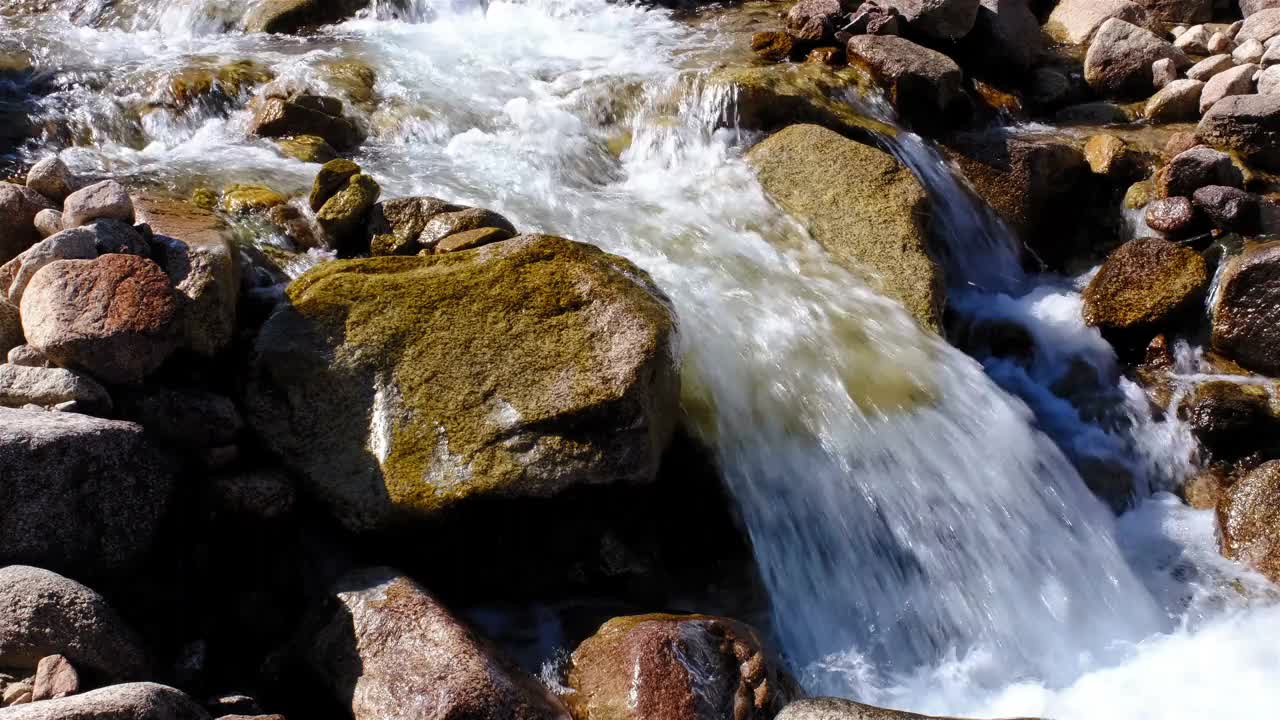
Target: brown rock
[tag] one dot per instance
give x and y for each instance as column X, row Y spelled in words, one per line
column 1246, row 309
column 676, row 667
column 1204, row 490
column 1178, row 143
column 19, row 206
column 10, row 327
column 1120, row 56
column 1232, row 420
column 1111, row 157
column 1074, row 22
column 1261, row 26
column 1173, row 216
column 276, row 117
column 470, row 239
column 443, row 225
column 815, row 21
column 1249, row 520
column 1143, row 285
column 1247, row 124
column 394, row 225
column 923, row 85
column 772, row 45
column 128, row 701
column 1195, row 168
column 55, row 678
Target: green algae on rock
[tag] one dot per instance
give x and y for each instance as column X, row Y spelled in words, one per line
column 398, row 387
column 343, row 216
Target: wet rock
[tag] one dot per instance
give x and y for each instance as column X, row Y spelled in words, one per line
column 198, row 253
column 1111, row 157
column 44, row 614
column 1195, row 40
column 827, row 56
column 938, row 19
column 1163, row 72
column 1179, row 101
column 332, row 177
column 394, row 225
column 10, row 327
column 773, row 45
column 209, row 87
column 771, row 97
column 1205, row 489
column 1269, row 80
column 1246, row 313
column 1005, row 37
column 52, row 178
column 261, row 494
column 384, row 645
column 1178, row 143
column 1249, row 520
column 183, row 417
column 471, row 239
column 384, row 424
column 1196, row 168
column 1232, row 420
column 130, row 701
column 19, row 206
column 1076, row 21
column 1173, row 216
column 106, row 199
column 1249, row 52
column 1261, row 26
column 1144, row 285
column 55, row 678
column 292, row 16
column 1231, row 209
column 276, row 117
column 344, row 215
column 354, row 78
column 1180, row 11
column 829, row 708
column 307, row 148
column 1137, row 195
column 871, row 213
column 815, row 21
column 48, row 222
column 676, row 667
column 74, row 244
column 1236, row 81
column 1209, row 67
column 241, row 198
column 1049, row 87
column 1247, row 124
column 1120, row 56
column 115, row 317
column 447, row 224
column 922, row 85
column 47, row 387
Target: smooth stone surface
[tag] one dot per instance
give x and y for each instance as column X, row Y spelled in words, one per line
column 130, row 701
column 106, row 199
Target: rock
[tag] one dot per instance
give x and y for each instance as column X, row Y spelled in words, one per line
column 1270, row 56
column 307, row 148
column 19, row 206
column 210, row 87
column 1231, row 420
column 1196, row 168
column 319, row 116
column 830, row 708
column 291, row 16
column 262, row 494
column 773, row 45
column 1163, row 72
column 447, row 224
column 1173, row 216
column 1137, row 195
column 1210, row 66
column 1245, row 316
column 344, row 215
column 1179, row 101
column 676, row 667
column 387, row 647
column 198, row 253
column 241, row 198
column 1178, row 143
column 770, row 97
column 1249, row 520
column 27, row 356
column 55, row 679
column 45, row 614
column 874, row 18
column 1143, row 285
column 1231, row 209
column 1249, row 52
column 130, row 701
column 815, row 21
column 114, row 236
column 1006, row 36
column 1269, row 81
column 52, row 178
column 74, row 244
column 1249, row 7
column 1195, row 40
column 1111, row 157
column 1247, row 124
column 184, row 417
column 1119, row 59
column 1049, row 87
column 21, row 385
column 1075, row 22
column 18, row 693
column 922, row 85
column 938, row 19
column 472, row 239
column 1032, row 184
column 332, row 177
column 10, row 327
column 871, row 213
column 48, row 222
column 106, row 199
column 385, row 425
column 1218, row 43
column 1261, row 26
column 826, row 56
column 1182, row 11
column 1236, row 81
column 394, row 225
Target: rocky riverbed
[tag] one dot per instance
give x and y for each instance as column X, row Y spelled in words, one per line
column 569, row 359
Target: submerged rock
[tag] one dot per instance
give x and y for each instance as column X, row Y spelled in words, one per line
column 130, row 701
column 1246, row 309
column 862, row 205
column 400, row 386
column 319, row 116
column 1249, row 520
column 676, row 667
column 1143, row 285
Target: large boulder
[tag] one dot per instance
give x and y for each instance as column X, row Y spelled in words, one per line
column 1261, row 26
column 830, row 708
column 400, row 386
column 1120, row 56
column 115, row 317
column 291, row 16
column 1246, row 309
column 1143, row 285
column 1076, row 21
column 43, row 613
column 923, row 85
column 676, row 667
column 1249, row 520
column 1006, row 37
column 938, row 19
column 1247, row 124
column 130, row 701
column 385, row 645
column 80, row 494
column 198, row 253
column 862, row 205
column 19, row 206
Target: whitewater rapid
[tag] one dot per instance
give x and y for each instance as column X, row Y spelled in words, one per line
column 924, row 537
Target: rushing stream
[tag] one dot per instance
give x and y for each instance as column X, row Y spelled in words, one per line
column 917, row 515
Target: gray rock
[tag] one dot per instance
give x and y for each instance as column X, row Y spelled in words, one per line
column 10, row 327
column 1179, row 101
column 1229, row 208
column 1209, row 67
column 1180, row 11
column 1120, row 57
column 130, row 701
column 1218, row 43
column 394, row 225
column 1194, row 168
column 829, row 708
column 815, row 21
column 1076, row 21
column 1270, row 55
column 48, row 222
column 922, row 85
column 184, row 417
column 1195, row 40
column 106, row 199
column 23, row 385
column 443, row 225
column 27, row 356
column 122, row 484
column 1261, row 26
column 938, row 19
column 1250, row 7
column 1163, row 72
column 1249, row 51
column 117, row 236
column 1236, row 81
column 19, row 206
column 43, row 613
column 1269, row 81
column 52, row 178
column 1006, row 36
column 1247, row 124
column 73, row 244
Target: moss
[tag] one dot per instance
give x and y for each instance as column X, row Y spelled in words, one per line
column 774, row 96
column 205, row 198
column 307, row 148
column 333, row 176
column 244, row 198
column 343, row 216
column 218, row 82
column 355, row 78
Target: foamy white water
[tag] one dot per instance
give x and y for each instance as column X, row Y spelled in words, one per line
column 925, row 540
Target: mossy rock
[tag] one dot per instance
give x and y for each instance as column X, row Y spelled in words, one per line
column 397, row 387
column 354, row 78
column 333, row 176
column 217, row 83
column 343, row 216
column 307, row 148
column 245, row 198
column 394, row 225
column 1144, row 286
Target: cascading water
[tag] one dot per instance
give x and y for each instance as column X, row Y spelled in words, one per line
column 925, row 539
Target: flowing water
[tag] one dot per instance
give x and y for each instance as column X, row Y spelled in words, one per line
column 917, row 515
